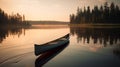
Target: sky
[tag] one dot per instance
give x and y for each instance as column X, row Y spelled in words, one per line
column 53, row 10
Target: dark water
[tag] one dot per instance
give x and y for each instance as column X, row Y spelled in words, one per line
column 88, row 47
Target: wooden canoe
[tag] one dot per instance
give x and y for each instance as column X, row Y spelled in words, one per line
column 51, row 45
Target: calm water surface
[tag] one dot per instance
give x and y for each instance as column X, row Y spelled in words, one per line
column 88, row 47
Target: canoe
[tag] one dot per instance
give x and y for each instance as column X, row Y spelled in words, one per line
column 51, row 45
column 47, row 56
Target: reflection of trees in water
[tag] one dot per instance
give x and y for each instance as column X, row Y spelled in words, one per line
column 116, row 50
column 13, row 31
column 103, row 35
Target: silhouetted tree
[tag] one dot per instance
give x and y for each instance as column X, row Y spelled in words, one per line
column 77, row 18
column 88, row 15
column 117, row 14
column 96, row 14
column 72, row 18
column 112, row 12
column 101, row 14
column 14, row 19
column 105, row 14
column 84, row 15
column 3, row 17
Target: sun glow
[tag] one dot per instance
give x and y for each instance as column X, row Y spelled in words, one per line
column 58, row 10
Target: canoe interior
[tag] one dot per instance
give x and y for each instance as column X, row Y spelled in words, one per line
column 54, row 41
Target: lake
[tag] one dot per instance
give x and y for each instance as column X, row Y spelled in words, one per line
column 88, row 47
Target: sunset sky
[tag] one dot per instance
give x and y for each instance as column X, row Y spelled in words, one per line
column 58, row 10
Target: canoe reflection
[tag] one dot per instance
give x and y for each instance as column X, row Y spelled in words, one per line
column 45, row 57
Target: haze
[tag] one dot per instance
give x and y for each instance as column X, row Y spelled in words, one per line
column 57, row 10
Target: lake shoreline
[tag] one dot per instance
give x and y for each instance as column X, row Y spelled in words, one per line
column 96, row 25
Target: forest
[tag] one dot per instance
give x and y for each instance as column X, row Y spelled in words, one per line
column 104, row 14
column 12, row 20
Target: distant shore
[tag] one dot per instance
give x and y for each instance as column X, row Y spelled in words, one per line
column 48, row 22
column 96, row 25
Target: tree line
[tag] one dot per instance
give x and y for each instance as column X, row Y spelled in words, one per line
column 14, row 19
column 103, row 14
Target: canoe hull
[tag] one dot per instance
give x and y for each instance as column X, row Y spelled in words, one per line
column 46, row 47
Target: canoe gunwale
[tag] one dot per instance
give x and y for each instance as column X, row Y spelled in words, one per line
column 47, row 46
column 59, row 39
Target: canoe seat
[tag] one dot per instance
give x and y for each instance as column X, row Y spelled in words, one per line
column 63, row 39
column 53, row 43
